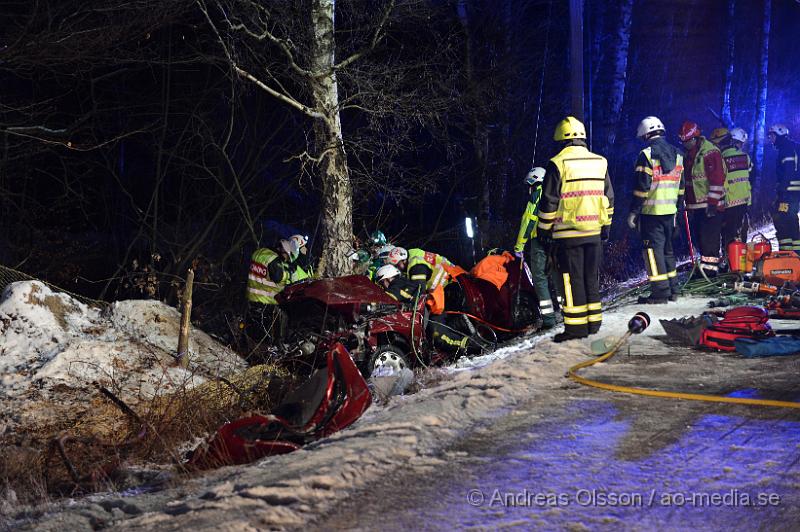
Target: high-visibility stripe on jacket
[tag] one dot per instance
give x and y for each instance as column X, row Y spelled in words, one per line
column 707, row 190
column 737, row 177
column 527, row 227
column 260, row 288
column 433, row 262
column 662, row 196
column 583, row 207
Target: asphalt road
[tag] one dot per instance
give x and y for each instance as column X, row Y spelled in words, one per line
column 584, row 459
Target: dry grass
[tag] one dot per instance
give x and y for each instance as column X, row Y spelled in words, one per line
column 102, row 441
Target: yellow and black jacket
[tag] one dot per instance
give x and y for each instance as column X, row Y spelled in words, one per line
column 658, row 187
column 577, row 196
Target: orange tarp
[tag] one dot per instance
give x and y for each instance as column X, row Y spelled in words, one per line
column 493, row 269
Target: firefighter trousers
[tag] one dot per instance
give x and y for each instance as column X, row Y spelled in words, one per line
column 784, row 216
column 732, row 225
column 578, row 268
column 707, row 232
column 539, row 276
column 657, row 231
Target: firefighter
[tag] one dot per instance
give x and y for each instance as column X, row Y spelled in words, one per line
column 407, row 292
column 428, row 269
column 787, row 195
column 270, row 271
column 301, row 268
column 658, row 191
column 737, row 167
column 527, row 231
column 705, row 194
column 575, row 216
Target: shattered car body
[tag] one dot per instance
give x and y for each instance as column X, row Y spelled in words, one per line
column 332, row 398
column 378, row 330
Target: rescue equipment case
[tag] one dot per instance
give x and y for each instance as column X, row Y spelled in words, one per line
column 740, row 322
column 778, row 267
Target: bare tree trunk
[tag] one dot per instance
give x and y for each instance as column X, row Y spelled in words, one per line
column 761, row 104
column 619, row 80
column 726, row 95
column 337, row 203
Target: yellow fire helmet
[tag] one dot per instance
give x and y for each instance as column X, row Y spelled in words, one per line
column 570, row 128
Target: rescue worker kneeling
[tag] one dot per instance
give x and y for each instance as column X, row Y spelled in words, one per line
column 429, row 271
column 575, row 216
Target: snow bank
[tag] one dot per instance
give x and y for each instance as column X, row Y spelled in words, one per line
column 53, row 347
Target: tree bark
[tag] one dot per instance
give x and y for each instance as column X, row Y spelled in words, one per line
column 337, row 202
column 761, row 103
column 618, row 82
column 731, row 37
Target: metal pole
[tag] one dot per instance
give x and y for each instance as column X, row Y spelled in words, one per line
column 576, row 56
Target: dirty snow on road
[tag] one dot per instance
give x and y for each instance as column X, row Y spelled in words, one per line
column 514, row 423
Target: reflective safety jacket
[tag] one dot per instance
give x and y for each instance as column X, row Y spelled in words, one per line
column 706, row 178
column 427, row 268
column 300, row 274
column 527, row 227
column 577, row 196
column 787, row 169
column 301, row 269
column 737, row 177
column 656, row 191
column 267, row 277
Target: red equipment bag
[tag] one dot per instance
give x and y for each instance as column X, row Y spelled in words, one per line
column 777, row 267
column 740, row 322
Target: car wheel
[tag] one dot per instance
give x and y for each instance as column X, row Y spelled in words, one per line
column 387, row 355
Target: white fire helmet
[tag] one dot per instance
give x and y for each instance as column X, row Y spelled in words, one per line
column 779, row 129
column 739, row 134
column 648, row 125
column 388, row 271
column 397, row 255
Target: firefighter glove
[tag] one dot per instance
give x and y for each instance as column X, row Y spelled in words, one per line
column 519, row 254
column 633, row 220
column 605, row 231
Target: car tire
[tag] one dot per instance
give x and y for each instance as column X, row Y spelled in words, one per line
column 388, row 354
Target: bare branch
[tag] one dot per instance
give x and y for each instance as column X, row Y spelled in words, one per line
column 375, row 39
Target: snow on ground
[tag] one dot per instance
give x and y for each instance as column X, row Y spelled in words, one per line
column 409, row 435
column 53, row 347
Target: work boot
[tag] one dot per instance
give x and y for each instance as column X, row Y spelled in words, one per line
column 650, row 300
column 548, row 321
column 565, row 336
column 594, row 328
column 673, row 298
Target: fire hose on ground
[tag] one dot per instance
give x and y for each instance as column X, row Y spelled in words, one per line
column 637, row 325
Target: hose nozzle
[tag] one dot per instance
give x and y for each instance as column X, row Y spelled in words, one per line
column 638, row 323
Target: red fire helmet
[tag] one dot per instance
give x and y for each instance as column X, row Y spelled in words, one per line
column 689, row 130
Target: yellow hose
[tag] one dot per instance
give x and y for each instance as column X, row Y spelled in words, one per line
column 571, row 373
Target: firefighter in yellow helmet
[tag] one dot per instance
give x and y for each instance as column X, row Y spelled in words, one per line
column 575, row 216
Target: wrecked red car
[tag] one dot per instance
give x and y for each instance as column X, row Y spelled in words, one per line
column 377, row 330
column 332, row 398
